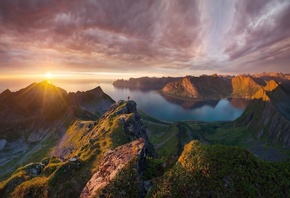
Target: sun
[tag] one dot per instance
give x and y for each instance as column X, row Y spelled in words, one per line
column 48, row 75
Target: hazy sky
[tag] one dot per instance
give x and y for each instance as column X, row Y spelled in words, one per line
column 123, row 38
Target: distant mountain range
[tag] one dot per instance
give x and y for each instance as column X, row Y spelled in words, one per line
column 84, row 144
column 206, row 87
column 145, row 82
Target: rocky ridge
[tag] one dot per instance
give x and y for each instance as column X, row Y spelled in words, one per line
column 268, row 114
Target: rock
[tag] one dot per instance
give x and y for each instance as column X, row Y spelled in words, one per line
column 34, row 169
column 130, row 118
column 113, row 162
column 73, row 159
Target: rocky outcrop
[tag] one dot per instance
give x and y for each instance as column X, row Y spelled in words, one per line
column 126, row 112
column 113, row 162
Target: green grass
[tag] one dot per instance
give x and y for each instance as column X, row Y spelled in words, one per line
column 222, row 171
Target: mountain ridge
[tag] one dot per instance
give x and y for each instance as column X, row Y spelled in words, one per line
column 112, row 153
column 48, row 113
column 268, row 114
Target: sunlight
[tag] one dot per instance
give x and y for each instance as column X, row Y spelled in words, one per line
column 48, row 75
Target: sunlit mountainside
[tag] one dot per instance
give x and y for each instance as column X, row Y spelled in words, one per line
column 84, row 144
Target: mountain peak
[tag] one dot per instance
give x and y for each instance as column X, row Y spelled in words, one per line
column 271, row 85
column 6, row 92
column 97, row 89
column 262, row 92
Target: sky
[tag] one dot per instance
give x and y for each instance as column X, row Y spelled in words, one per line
column 133, row 38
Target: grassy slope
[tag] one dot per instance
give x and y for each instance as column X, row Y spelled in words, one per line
column 222, row 171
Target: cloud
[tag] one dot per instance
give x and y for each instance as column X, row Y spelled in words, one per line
column 259, row 24
column 147, row 36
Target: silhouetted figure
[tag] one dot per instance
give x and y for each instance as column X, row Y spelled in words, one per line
column 128, row 97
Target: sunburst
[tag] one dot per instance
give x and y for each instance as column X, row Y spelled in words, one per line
column 48, row 75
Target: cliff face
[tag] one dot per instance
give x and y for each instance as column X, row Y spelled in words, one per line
column 125, row 113
column 245, row 86
column 268, row 114
column 203, row 87
column 184, row 88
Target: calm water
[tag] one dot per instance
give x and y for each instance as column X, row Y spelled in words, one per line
column 155, row 105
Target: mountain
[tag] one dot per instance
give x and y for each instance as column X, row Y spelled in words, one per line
column 94, row 101
column 222, row 171
column 203, row 87
column 35, row 117
column 206, row 87
column 85, row 147
column 278, row 77
column 145, row 82
column 246, row 86
column 41, row 104
column 268, row 114
column 34, row 100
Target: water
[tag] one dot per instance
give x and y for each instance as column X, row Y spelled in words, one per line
column 155, row 105
column 170, row 109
